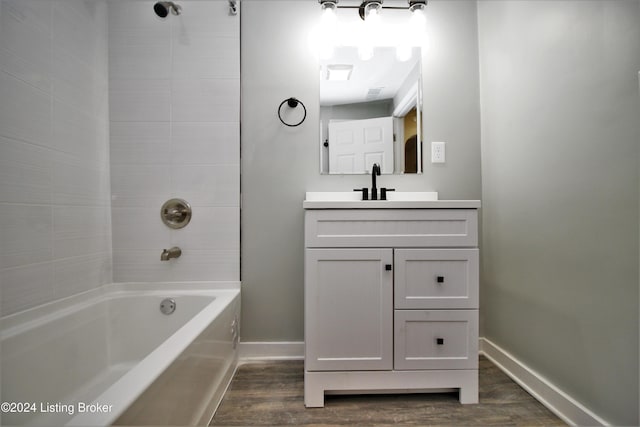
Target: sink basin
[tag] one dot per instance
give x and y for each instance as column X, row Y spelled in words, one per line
column 353, row 196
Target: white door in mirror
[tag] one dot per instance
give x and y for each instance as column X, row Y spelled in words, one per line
column 355, row 145
column 437, row 152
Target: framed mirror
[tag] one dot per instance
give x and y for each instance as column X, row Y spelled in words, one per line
column 370, row 112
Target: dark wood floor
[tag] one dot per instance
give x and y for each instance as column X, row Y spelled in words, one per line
column 267, row 394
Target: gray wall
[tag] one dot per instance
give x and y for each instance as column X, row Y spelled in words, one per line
column 560, row 132
column 279, row 163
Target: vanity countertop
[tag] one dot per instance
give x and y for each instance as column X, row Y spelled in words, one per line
column 408, row 200
column 391, row 204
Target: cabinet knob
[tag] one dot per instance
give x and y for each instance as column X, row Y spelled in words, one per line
column 387, row 267
column 440, row 341
column 440, row 279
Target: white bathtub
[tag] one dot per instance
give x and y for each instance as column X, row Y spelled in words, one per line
column 110, row 356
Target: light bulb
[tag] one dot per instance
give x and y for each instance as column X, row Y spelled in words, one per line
column 326, row 33
column 372, row 13
column 328, row 18
column 418, row 21
column 371, row 31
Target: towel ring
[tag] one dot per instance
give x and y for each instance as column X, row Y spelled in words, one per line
column 292, row 103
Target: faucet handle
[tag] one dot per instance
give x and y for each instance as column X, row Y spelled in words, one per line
column 365, row 192
column 383, row 192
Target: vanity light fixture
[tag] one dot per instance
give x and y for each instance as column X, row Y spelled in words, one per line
column 328, row 32
column 370, row 9
column 328, row 6
column 374, row 7
column 370, row 12
column 329, row 17
column 418, row 21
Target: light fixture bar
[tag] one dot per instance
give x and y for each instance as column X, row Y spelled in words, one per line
column 413, row 5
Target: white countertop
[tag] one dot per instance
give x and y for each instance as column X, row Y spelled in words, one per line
column 400, row 200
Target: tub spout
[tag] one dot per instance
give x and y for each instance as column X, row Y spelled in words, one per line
column 167, row 254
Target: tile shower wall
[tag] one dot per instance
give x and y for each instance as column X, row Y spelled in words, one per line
column 174, row 92
column 55, row 218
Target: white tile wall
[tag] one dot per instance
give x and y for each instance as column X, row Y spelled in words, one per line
column 28, row 116
column 55, row 219
column 220, row 141
column 140, row 143
column 25, row 173
column 196, row 265
column 203, row 100
column 140, row 53
column 138, row 235
column 175, row 132
column 26, row 235
column 207, row 184
column 107, row 111
column 139, row 100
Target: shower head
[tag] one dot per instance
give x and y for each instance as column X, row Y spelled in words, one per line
column 162, row 8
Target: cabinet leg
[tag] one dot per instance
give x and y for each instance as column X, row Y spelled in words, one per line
column 313, row 395
column 469, row 393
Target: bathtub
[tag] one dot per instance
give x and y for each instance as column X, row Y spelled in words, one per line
column 110, row 356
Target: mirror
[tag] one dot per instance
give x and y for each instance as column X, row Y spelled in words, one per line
column 370, row 112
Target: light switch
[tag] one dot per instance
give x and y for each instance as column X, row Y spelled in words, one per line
column 437, row 152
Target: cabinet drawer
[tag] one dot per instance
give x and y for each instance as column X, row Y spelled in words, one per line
column 436, row 278
column 391, row 228
column 435, row 339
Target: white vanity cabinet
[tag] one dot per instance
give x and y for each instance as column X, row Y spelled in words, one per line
column 391, row 299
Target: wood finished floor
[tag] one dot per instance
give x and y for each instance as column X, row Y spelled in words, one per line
column 268, row 394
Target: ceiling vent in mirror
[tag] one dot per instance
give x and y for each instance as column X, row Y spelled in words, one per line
column 374, row 93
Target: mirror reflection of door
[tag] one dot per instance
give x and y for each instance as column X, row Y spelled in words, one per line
column 358, row 144
column 353, row 89
column 411, row 143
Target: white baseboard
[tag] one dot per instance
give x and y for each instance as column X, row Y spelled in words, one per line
column 560, row 403
column 282, row 350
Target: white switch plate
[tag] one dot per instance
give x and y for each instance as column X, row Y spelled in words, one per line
column 437, row 152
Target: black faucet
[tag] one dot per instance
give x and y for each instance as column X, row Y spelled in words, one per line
column 375, row 170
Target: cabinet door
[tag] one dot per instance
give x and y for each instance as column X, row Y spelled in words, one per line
column 436, row 339
column 436, row 278
column 348, row 309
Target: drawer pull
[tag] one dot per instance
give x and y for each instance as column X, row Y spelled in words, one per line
column 440, row 279
column 440, row 341
column 387, row 267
